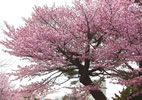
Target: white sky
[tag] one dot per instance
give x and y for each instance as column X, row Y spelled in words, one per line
column 12, row 11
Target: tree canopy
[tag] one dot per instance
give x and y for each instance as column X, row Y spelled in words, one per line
column 92, row 38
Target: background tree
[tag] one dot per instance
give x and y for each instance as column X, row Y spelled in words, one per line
column 124, row 94
column 76, row 96
column 7, row 91
column 93, row 38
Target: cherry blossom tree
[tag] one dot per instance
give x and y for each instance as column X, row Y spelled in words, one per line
column 4, row 86
column 7, row 91
column 93, row 38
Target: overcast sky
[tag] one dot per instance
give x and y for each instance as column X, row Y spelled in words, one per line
column 12, row 11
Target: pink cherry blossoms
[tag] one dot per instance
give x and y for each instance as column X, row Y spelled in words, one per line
column 7, row 91
column 95, row 38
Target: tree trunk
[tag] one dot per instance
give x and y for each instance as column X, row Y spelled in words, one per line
column 98, row 95
column 85, row 80
column 139, row 97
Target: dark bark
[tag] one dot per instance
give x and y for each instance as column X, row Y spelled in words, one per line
column 138, row 1
column 136, row 98
column 85, row 80
column 98, row 95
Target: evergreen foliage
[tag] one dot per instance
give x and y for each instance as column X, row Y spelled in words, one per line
column 124, row 94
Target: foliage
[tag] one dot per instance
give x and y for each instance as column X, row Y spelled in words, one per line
column 7, row 90
column 124, row 94
column 72, row 72
column 93, row 38
column 129, row 93
column 76, row 96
